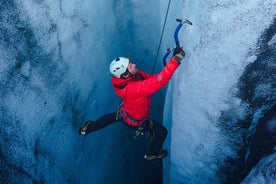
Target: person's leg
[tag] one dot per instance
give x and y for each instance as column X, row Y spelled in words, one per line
column 105, row 120
column 160, row 135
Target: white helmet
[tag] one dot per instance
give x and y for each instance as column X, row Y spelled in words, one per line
column 118, row 66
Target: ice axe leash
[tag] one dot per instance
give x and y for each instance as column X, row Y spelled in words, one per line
column 169, row 50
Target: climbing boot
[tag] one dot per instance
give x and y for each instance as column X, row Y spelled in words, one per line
column 160, row 155
column 82, row 130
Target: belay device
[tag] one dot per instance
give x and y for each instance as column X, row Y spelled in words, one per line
column 169, row 50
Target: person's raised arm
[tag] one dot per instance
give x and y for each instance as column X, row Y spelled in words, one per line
column 153, row 84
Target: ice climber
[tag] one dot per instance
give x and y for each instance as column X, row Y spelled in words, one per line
column 136, row 87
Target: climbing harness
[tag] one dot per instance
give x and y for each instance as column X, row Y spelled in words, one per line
column 161, row 37
column 169, row 50
column 123, row 115
column 143, row 127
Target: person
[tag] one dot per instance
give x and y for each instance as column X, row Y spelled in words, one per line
column 136, row 87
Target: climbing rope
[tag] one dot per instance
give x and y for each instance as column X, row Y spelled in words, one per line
column 161, row 37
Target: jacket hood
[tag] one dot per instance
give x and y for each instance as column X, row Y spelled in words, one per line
column 119, row 84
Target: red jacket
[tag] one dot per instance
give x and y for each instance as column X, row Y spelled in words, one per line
column 137, row 92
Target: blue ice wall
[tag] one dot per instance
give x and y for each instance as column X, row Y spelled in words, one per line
column 54, row 58
column 54, row 76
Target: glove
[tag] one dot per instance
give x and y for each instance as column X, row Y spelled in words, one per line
column 179, row 50
column 178, row 54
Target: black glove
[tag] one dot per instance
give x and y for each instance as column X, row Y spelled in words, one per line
column 178, row 53
column 179, row 50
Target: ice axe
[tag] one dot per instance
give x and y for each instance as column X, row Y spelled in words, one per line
column 180, row 24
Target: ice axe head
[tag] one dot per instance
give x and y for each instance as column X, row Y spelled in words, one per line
column 184, row 21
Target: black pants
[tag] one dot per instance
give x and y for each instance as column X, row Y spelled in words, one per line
column 159, row 130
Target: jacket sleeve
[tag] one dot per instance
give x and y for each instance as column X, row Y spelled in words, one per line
column 146, row 75
column 154, row 83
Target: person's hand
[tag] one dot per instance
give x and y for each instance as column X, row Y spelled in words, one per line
column 178, row 53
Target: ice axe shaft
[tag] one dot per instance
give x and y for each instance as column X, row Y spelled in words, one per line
column 181, row 22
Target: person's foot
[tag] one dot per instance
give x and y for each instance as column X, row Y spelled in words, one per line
column 82, row 130
column 160, row 155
